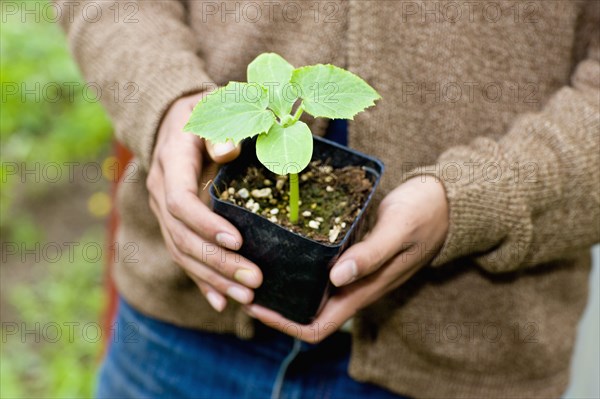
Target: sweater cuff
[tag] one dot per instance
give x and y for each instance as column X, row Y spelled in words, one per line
column 488, row 217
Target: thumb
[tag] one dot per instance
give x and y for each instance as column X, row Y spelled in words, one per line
column 223, row 152
column 368, row 255
column 360, row 260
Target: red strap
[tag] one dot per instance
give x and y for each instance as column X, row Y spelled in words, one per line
column 123, row 156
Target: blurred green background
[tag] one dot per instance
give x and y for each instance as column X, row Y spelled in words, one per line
column 49, row 125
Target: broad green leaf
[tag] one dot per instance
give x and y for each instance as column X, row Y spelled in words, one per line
column 331, row 92
column 234, row 112
column 285, row 150
column 274, row 73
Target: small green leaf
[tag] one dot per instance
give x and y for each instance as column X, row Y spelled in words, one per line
column 234, row 112
column 285, row 150
column 273, row 72
column 331, row 92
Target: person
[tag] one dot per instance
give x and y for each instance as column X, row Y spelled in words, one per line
column 473, row 276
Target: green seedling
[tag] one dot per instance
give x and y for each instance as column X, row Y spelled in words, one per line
column 263, row 106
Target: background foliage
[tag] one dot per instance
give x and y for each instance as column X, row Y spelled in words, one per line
column 49, row 119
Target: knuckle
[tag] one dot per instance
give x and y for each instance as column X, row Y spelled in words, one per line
column 366, row 262
column 202, row 285
column 411, row 225
column 151, row 182
column 183, row 243
column 385, row 208
column 218, row 266
column 371, row 262
column 153, row 208
column 179, row 239
column 176, row 257
column 215, row 281
column 173, row 203
column 161, row 154
column 214, row 256
column 204, row 288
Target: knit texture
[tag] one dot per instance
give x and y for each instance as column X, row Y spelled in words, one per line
column 498, row 100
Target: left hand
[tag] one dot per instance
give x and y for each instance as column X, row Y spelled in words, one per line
column 412, row 222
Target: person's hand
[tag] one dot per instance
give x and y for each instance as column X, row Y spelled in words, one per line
column 412, row 224
column 197, row 239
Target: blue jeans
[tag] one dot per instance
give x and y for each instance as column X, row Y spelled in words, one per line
column 148, row 358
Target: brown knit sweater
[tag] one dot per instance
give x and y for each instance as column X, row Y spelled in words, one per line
column 499, row 100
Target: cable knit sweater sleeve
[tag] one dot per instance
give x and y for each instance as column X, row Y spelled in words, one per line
column 533, row 195
column 140, row 55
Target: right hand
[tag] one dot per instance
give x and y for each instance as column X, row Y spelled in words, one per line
column 197, row 239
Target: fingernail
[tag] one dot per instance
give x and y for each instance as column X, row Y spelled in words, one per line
column 216, row 301
column 239, row 294
column 223, row 148
column 227, row 240
column 344, row 273
column 246, row 277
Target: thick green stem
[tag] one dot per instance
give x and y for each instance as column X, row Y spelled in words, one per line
column 298, row 113
column 294, row 197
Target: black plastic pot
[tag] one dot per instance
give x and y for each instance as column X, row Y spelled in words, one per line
column 295, row 268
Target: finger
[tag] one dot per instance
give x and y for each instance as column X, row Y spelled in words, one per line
column 227, row 263
column 337, row 310
column 199, row 270
column 311, row 333
column 182, row 201
column 214, row 298
column 223, row 152
column 347, row 301
column 367, row 256
column 208, row 249
column 192, row 212
column 179, row 258
column 335, row 313
column 225, row 287
column 350, row 299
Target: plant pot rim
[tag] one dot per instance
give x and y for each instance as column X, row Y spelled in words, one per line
column 358, row 217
